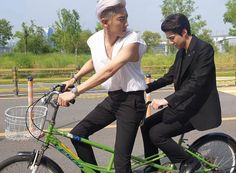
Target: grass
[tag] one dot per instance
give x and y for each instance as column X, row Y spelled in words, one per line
column 54, row 60
column 225, row 61
column 155, row 64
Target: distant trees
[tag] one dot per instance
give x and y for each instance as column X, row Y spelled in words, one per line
column 230, row 16
column 152, row 39
column 32, row 39
column 98, row 26
column 187, row 8
column 5, row 32
column 68, row 35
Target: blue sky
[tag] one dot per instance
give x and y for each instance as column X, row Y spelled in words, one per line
column 143, row 14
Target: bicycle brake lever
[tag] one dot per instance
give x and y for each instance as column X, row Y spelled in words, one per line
column 72, row 101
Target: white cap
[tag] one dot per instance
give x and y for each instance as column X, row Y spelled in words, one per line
column 104, row 4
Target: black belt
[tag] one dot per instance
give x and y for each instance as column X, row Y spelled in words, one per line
column 121, row 92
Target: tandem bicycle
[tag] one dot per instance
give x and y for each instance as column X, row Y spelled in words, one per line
column 215, row 151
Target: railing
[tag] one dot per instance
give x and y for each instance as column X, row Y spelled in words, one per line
column 14, row 81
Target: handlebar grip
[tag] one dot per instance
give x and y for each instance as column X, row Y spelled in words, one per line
column 62, row 89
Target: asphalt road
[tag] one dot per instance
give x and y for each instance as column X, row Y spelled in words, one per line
column 68, row 117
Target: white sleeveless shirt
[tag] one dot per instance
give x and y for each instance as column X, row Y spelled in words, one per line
column 130, row 76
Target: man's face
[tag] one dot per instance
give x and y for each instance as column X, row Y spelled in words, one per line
column 175, row 39
column 118, row 23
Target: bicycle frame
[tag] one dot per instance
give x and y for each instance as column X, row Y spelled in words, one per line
column 51, row 139
column 137, row 162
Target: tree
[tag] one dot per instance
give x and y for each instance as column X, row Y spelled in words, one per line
column 25, row 35
column 187, row 8
column 99, row 26
column 5, row 32
column 32, row 39
column 83, row 46
column 67, row 31
column 230, row 16
column 152, row 39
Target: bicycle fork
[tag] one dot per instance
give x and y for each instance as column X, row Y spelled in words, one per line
column 37, row 157
column 34, row 166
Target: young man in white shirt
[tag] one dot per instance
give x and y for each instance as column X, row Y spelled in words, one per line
column 116, row 56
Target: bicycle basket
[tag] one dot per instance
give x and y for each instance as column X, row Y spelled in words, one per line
column 16, row 119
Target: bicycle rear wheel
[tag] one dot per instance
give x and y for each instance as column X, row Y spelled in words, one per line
column 21, row 163
column 219, row 149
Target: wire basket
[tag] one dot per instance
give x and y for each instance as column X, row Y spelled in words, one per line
column 17, row 117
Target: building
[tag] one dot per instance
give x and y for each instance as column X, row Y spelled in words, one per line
column 220, row 41
column 9, row 47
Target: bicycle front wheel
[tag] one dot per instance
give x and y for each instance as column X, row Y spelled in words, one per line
column 219, row 149
column 21, row 164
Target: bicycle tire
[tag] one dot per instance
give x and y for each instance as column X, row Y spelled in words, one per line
column 21, row 163
column 218, row 148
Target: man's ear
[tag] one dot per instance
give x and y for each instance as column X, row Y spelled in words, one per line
column 104, row 22
column 184, row 32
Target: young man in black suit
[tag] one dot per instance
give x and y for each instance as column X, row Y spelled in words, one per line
column 194, row 104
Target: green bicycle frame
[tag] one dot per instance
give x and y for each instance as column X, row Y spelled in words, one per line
column 137, row 162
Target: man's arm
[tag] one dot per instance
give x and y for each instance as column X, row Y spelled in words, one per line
column 86, row 68
column 129, row 53
column 162, row 81
column 204, row 67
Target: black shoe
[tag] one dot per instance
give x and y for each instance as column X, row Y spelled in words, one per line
column 147, row 169
column 190, row 166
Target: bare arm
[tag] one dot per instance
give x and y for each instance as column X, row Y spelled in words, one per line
column 86, row 68
column 129, row 53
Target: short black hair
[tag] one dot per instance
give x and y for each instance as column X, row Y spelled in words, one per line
column 176, row 23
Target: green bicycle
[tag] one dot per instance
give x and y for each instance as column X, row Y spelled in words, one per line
column 215, row 151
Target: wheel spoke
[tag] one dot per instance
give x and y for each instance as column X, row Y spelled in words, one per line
column 219, row 152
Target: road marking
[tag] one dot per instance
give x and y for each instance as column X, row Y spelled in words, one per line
column 228, row 90
column 229, row 118
column 2, row 134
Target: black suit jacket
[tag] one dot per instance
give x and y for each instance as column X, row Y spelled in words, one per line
column 195, row 85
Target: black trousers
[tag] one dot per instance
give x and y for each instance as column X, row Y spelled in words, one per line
column 158, row 130
column 128, row 109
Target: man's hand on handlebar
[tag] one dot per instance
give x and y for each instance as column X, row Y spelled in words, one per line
column 69, row 83
column 65, row 98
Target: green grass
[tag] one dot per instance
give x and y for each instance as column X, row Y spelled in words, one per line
column 225, row 61
column 157, row 59
column 156, row 65
column 56, row 60
column 151, row 63
column 21, row 60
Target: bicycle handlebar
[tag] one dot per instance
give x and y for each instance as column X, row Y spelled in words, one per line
column 55, row 90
